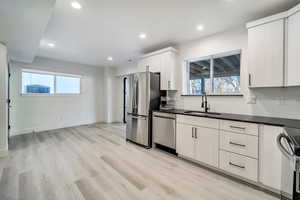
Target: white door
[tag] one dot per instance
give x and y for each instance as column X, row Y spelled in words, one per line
column 270, row 157
column 266, row 54
column 293, row 50
column 207, row 146
column 185, row 142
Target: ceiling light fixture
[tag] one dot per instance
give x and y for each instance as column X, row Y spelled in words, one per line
column 200, row 27
column 76, row 5
column 51, row 45
column 142, row 35
column 109, row 58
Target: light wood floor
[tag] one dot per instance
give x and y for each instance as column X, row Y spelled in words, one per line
column 95, row 162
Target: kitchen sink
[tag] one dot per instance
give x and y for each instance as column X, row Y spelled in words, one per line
column 201, row 113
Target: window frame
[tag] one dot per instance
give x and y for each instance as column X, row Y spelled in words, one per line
column 186, row 78
column 53, row 74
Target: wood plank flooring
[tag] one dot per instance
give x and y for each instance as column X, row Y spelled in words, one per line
column 95, row 162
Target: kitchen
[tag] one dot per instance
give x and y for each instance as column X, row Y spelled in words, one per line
column 218, row 115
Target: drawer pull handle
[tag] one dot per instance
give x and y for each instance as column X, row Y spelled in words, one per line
column 235, row 165
column 237, row 127
column 237, row 144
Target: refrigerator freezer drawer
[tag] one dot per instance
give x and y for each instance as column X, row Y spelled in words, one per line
column 137, row 129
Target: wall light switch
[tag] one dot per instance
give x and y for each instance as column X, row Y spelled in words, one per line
column 251, row 100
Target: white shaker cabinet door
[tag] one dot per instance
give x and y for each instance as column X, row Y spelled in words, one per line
column 207, row 145
column 185, row 142
column 266, row 54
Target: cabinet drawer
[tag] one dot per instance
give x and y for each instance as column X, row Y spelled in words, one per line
column 198, row 121
column 238, row 143
column 239, row 127
column 239, row 165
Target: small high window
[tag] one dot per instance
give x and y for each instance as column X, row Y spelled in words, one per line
column 40, row 82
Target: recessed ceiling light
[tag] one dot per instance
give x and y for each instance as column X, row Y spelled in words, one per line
column 109, row 58
column 142, row 35
column 76, row 5
column 51, row 45
column 200, row 27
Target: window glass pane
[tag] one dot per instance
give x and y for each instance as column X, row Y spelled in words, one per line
column 227, row 74
column 199, row 75
column 37, row 83
column 67, row 85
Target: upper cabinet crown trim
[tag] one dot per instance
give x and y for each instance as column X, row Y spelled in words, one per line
column 168, row 49
column 267, row 19
column 275, row 17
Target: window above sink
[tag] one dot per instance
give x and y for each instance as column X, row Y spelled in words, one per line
column 217, row 74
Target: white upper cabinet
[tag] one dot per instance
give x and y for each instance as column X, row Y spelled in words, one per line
column 163, row 62
column 293, row 50
column 266, row 54
column 274, row 46
column 153, row 62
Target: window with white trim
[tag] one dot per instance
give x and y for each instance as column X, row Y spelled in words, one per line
column 216, row 74
column 42, row 82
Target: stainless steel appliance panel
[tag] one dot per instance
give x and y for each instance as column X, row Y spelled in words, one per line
column 164, row 129
column 143, row 93
column 137, row 129
column 139, row 89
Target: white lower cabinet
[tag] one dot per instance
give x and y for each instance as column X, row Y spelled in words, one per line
column 198, row 143
column 270, row 157
column 207, row 146
column 239, row 165
column 246, row 150
column 185, row 142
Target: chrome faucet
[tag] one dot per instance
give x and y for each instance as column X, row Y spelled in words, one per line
column 204, row 102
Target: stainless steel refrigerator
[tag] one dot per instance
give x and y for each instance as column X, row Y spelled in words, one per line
column 144, row 96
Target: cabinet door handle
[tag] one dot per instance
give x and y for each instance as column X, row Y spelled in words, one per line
column 235, row 165
column 192, row 132
column 237, row 144
column 196, row 136
column 237, row 127
column 249, row 79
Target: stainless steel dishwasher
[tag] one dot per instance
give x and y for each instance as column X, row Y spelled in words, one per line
column 164, row 129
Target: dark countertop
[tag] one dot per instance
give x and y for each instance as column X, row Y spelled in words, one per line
column 284, row 122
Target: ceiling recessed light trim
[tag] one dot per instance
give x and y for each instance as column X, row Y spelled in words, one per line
column 143, row 36
column 76, row 5
column 200, row 27
column 51, row 45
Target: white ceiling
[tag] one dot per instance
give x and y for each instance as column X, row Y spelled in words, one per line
column 22, row 24
column 105, row 28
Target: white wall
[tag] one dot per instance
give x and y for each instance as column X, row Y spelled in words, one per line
column 37, row 113
column 275, row 102
column 114, row 95
column 126, row 69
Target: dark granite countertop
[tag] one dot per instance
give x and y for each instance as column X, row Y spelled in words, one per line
column 284, row 122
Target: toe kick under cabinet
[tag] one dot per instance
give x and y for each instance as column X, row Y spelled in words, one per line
column 244, row 150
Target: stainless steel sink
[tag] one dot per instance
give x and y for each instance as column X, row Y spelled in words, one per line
column 201, row 113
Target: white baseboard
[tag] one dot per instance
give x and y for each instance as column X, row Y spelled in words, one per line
column 40, row 129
